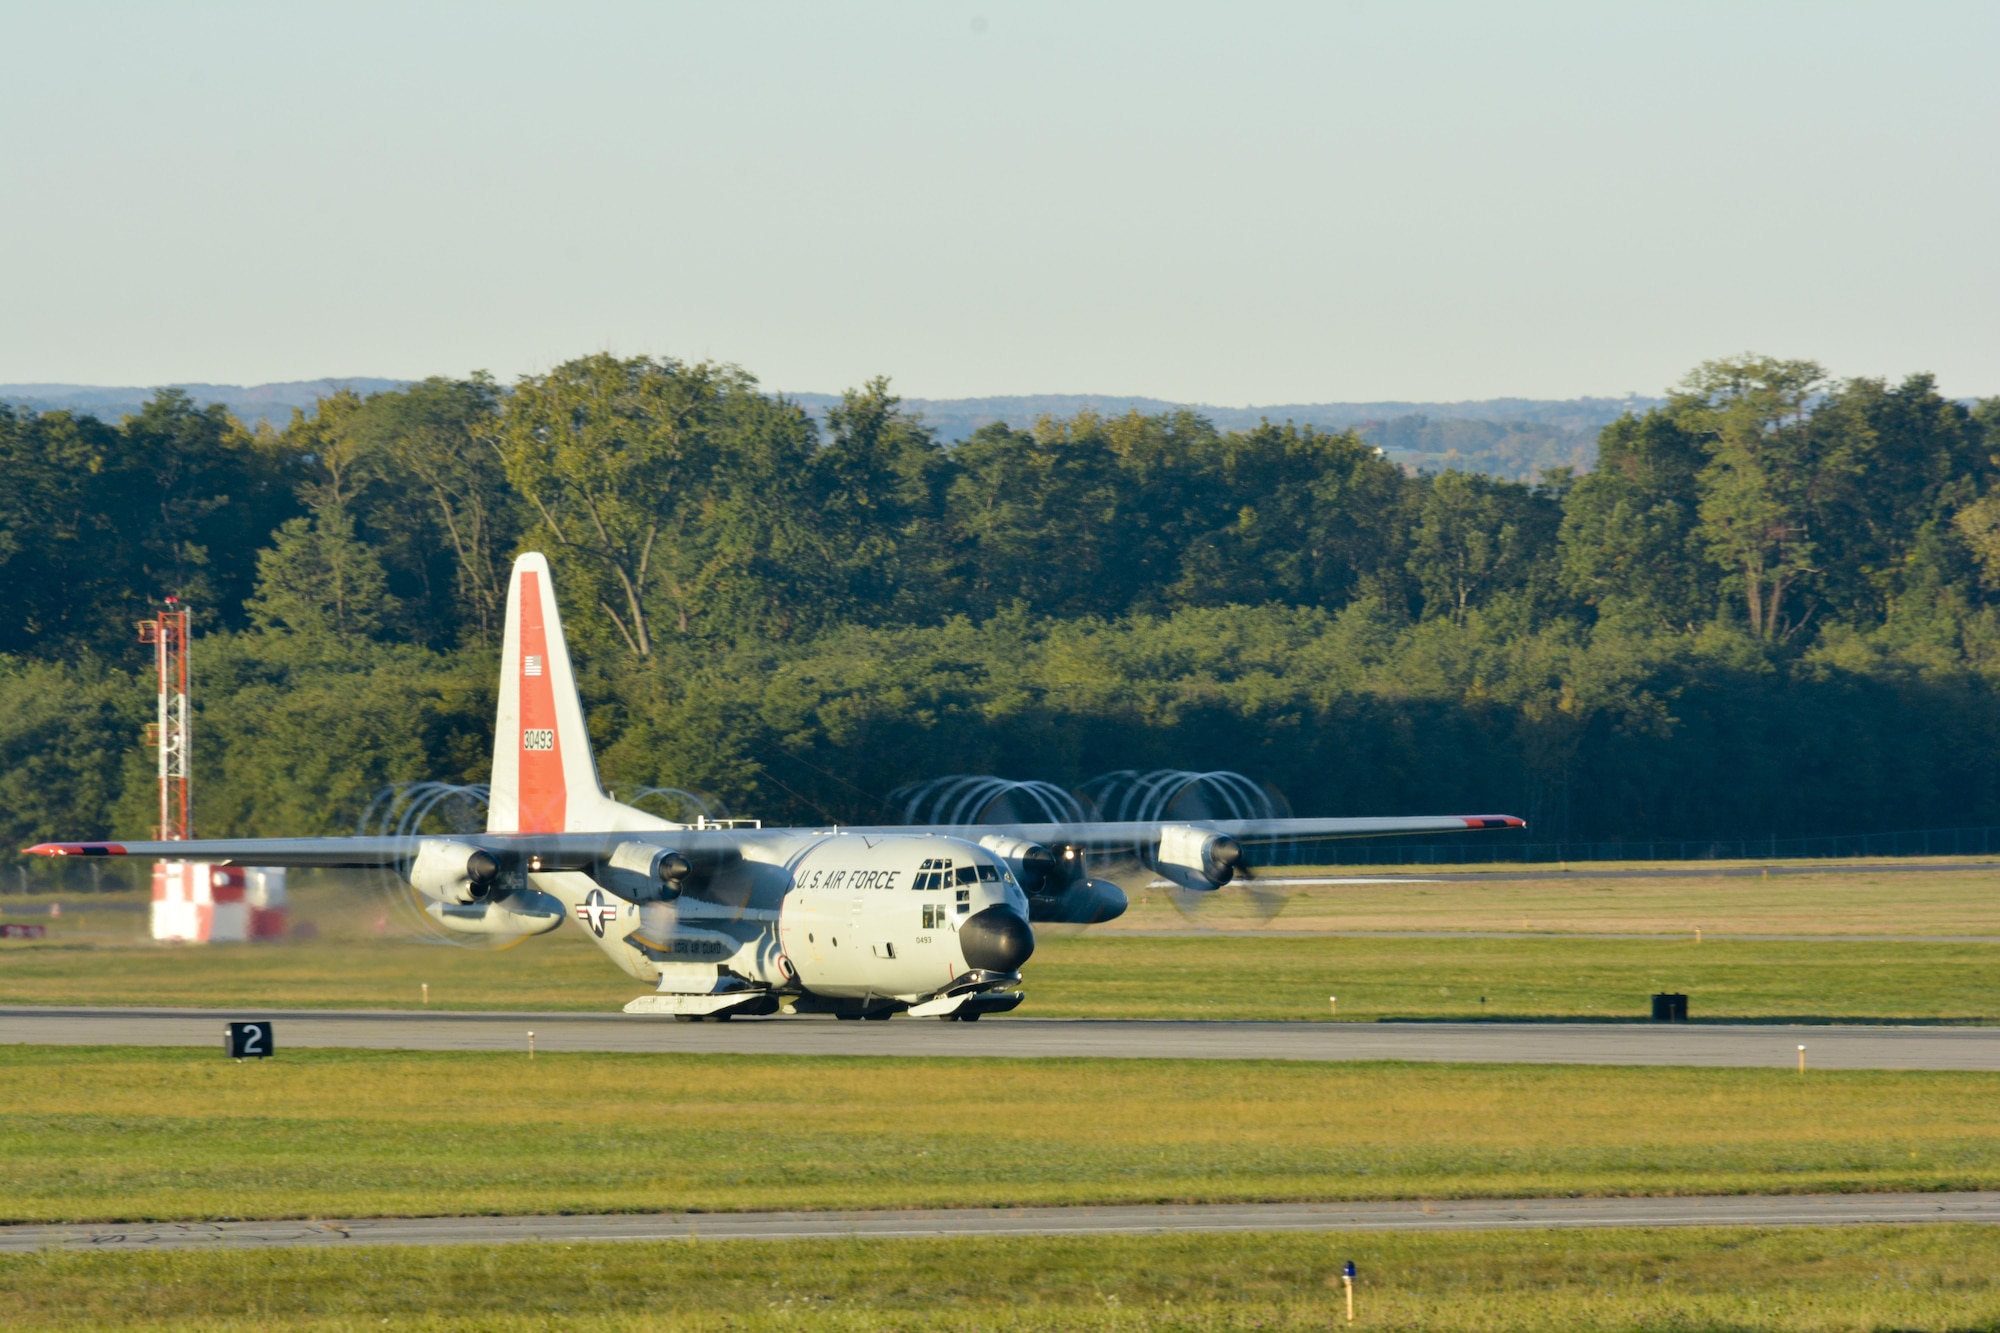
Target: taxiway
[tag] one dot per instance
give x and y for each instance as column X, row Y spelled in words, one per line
column 1783, row 1210
column 1743, row 1045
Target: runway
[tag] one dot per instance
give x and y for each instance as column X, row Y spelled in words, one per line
column 1794, row 1210
column 1384, row 872
column 1737, row 1045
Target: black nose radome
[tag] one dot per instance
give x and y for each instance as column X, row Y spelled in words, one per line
column 997, row 940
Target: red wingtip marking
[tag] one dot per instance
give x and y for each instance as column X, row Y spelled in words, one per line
column 75, row 849
column 1494, row 821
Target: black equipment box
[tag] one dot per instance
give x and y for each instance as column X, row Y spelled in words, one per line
column 1670, row 1008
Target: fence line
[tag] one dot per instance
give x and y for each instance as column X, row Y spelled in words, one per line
column 1477, row 848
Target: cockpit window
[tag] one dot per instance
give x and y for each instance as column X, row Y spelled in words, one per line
column 942, row 873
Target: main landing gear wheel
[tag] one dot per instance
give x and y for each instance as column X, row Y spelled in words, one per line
column 958, row 1018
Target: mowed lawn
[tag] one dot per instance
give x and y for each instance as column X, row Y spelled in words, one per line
column 1292, row 977
column 1912, row 897
column 560, row 971
column 1097, row 975
column 1846, row 1278
column 106, row 1134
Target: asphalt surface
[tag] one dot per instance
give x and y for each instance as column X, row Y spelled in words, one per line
column 1677, row 870
column 1713, row 936
column 1464, row 1215
column 1741, row 1045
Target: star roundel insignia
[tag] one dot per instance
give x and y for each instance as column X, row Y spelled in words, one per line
column 596, row 913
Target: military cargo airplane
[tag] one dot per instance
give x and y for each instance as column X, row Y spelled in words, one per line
column 729, row 918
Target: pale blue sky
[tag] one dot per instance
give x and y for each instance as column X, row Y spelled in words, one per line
column 1227, row 203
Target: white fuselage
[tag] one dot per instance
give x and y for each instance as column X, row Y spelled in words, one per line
column 823, row 913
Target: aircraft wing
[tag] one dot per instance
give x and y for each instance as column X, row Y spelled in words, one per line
column 540, row 851
column 344, row 852
column 580, row 851
column 1110, row 835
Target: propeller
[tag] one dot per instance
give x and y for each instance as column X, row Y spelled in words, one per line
column 1266, row 900
column 1171, row 794
column 409, row 809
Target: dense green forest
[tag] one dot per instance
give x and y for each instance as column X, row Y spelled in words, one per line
column 1769, row 610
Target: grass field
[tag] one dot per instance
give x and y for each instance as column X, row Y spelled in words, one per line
column 1100, row 975
column 106, row 1134
column 1860, row 1278
column 110, row 1134
column 1942, row 897
column 1184, row 969
column 1290, row 977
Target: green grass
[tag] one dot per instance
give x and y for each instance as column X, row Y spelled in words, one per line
column 561, row 971
column 1290, row 977
column 108, row 1134
column 1858, row 1278
column 1102, row 976
column 1906, row 898
column 100, row 958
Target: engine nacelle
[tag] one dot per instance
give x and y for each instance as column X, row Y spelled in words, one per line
column 1086, row 902
column 1196, row 858
column 1035, row 868
column 448, row 871
column 642, row 872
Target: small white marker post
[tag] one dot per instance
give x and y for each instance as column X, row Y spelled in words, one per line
column 1802, row 1058
column 427, row 992
column 1333, row 1005
column 1697, row 934
column 531, row 1043
column 1347, row 1281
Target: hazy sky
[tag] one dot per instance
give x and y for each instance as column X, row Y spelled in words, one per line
column 1227, row 203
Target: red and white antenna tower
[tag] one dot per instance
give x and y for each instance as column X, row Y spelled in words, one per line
column 169, row 636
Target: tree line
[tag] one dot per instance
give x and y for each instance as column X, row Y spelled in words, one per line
column 1769, row 609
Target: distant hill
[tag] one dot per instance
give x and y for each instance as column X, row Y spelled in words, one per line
column 1505, row 437
column 1514, row 438
column 251, row 404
